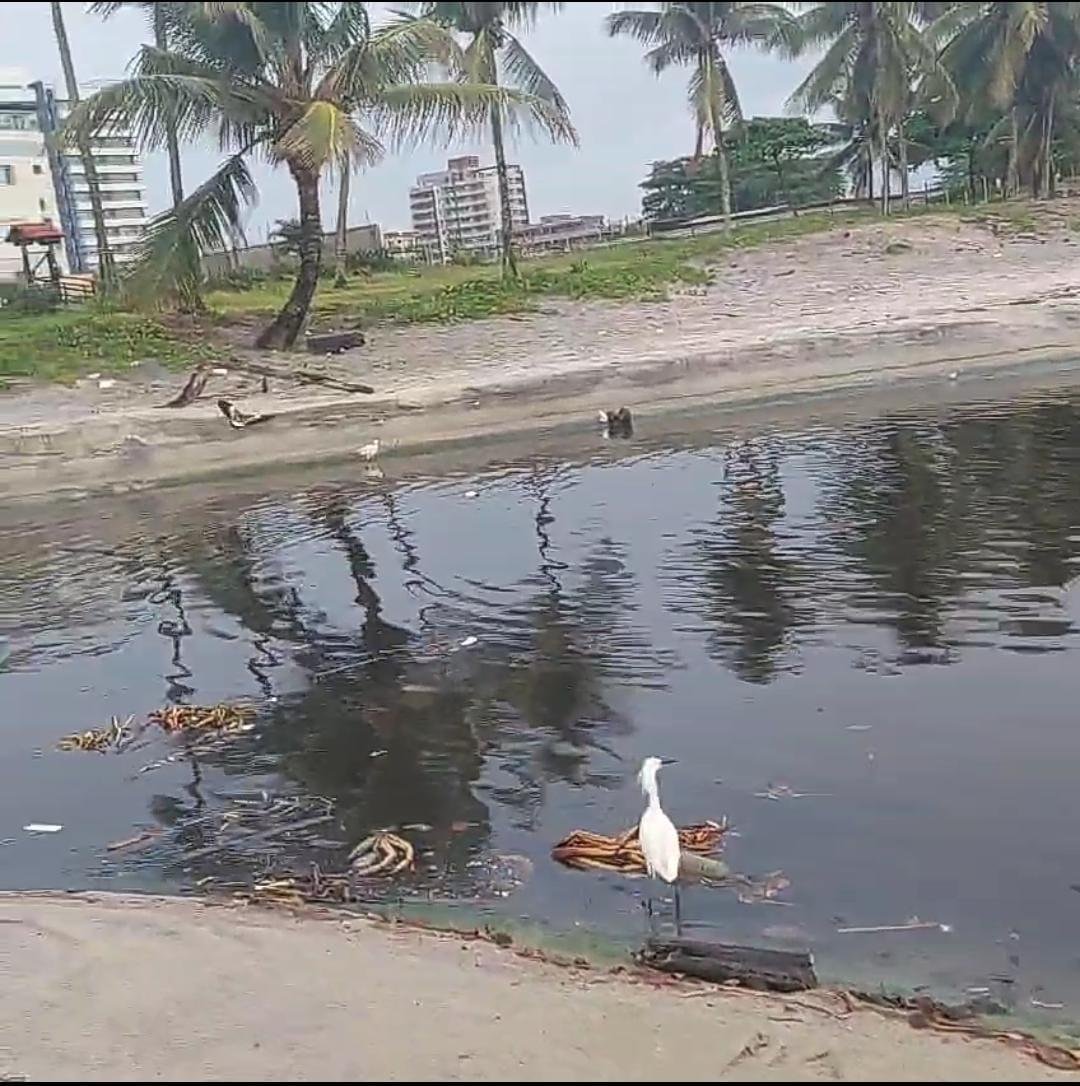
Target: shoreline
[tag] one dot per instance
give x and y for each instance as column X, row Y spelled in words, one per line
column 849, row 317
column 111, row 986
column 131, row 449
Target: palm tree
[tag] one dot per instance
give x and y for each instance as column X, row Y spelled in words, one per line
column 304, row 84
column 699, row 35
column 159, row 15
column 496, row 56
column 1019, row 58
column 875, row 58
column 341, row 232
column 105, row 260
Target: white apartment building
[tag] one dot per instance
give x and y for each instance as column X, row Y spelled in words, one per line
column 42, row 183
column 456, row 211
column 26, row 184
column 123, row 196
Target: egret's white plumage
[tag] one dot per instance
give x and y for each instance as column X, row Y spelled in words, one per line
column 657, row 833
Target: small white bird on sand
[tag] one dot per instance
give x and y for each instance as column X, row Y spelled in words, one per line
column 657, row 833
column 370, row 450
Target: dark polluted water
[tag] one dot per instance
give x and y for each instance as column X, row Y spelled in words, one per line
column 858, row 639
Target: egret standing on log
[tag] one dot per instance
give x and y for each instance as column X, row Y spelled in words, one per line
column 657, row 834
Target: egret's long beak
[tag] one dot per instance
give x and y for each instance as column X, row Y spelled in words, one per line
column 669, row 761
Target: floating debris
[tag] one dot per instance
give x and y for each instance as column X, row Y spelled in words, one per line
column 42, row 827
column 784, row 791
column 584, row 850
column 131, row 842
column 114, row 735
column 912, row 924
column 763, row 888
column 194, row 718
column 302, row 889
column 382, row 854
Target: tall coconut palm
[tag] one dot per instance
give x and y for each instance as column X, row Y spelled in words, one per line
column 496, row 56
column 875, row 57
column 159, row 15
column 1020, row 58
column 341, row 229
column 304, row 84
column 698, row 36
column 93, row 183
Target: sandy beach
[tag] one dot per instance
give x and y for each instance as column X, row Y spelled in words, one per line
column 107, row 987
column 851, row 310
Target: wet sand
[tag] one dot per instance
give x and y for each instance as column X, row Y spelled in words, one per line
column 848, row 311
column 107, row 987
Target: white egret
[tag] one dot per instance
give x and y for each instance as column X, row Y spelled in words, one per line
column 657, row 833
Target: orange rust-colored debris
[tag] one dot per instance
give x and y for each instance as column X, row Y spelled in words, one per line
column 584, row 850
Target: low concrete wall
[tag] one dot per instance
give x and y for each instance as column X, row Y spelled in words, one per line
column 265, row 257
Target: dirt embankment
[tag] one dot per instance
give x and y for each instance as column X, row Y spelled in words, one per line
column 104, row 987
column 860, row 308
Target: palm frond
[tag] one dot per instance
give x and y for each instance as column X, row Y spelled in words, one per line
column 400, row 52
column 348, row 26
column 644, row 26
column 523, row 72
column 671, row 52
column 324, row 134
column 168, row 262
column 823, row 83
column 147, row 104
column 410, row 114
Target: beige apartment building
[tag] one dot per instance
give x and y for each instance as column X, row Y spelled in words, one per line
column 456, row 211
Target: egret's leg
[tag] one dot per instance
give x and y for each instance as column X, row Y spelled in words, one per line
column 678, row 911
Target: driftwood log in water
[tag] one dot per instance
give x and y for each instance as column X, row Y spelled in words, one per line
column 722, row 963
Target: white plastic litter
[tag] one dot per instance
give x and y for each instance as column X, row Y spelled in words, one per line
column 42, row 827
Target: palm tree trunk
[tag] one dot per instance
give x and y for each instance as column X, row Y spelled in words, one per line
column 341, row 234
column 883, row 144
column 190, row 297
column 1047, row 149
column 176, row 180
column 725, row 179
column 699, row 142
column 105, row 261
column 286, row 326
column 905, row 181
column 509, row 262
column 1012, row 170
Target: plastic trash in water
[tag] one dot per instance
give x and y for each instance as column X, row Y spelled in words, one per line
column 42, row 827
column 468, row 642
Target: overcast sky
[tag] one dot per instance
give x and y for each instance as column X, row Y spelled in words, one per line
column 625, row 116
